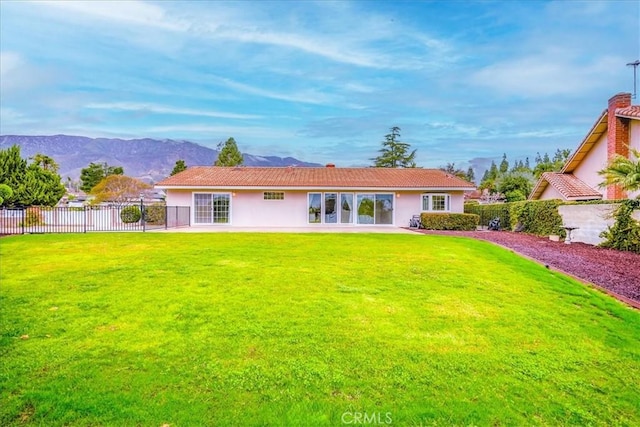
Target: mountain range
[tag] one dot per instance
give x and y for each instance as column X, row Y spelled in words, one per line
column 147, row 159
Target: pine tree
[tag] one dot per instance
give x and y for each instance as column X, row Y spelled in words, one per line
column 96, row 172
column 471, row 176
column 394, row 154
column 31, row 184
column 504, row 164
column 229, row 154
column 179, row 167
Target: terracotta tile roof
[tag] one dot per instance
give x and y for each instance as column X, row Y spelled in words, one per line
column 568, row 185
column 631, row 112
column 303, row 177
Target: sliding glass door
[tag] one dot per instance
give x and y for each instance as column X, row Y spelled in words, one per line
column 375, row 208
column 211, row 208
column 349, row 208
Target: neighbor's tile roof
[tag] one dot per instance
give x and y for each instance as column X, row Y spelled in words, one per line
column 327, row 177
column 631, row 112
column 566, row 184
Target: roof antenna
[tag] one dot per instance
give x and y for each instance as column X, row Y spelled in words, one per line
column 635, row 67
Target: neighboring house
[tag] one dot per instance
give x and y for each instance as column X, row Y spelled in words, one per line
column 617, row 129
column 302, row 196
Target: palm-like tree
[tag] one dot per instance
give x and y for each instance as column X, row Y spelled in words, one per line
column 623, row 171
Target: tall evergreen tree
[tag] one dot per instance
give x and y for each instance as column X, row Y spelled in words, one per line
column 96, row 172
column 179, row 167
column 229, row 154
column 504, row 164
column 471, row 176
column 453, row 170
column 31, row 184
column 395, row 154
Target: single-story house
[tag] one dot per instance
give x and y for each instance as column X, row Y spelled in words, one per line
column 617, row 129
column 302, row 196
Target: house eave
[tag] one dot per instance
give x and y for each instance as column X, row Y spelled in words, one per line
column 583, row 198
column 598, row 129
column 308, row 188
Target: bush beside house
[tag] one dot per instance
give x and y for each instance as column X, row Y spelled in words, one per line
column 488, row 212
column 438, row 221
column 624, row 235
column 539, row 217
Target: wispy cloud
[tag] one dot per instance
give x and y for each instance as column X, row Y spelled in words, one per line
column 309, row 96
column 122, row 12
column 163, row 109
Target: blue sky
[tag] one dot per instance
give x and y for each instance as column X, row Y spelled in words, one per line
column 319, row 80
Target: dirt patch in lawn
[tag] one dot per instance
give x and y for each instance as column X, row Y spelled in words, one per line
column 616, row 272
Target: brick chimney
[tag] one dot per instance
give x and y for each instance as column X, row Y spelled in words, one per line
column 330, row 165
column 617, row 137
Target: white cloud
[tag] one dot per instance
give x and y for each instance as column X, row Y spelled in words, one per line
column 9, row 61
column 547, row 74
column 305, row 96
column 162, row 109
column 124, row 12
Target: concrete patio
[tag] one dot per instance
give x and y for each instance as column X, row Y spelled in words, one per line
column 321, row 229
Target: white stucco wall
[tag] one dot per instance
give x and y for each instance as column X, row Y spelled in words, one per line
column 591, row 220
column 595, row 160
column 550, row 193
column 634, row 143
column 249, row 209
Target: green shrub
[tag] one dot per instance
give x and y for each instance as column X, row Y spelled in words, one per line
column 624, row 235
column 155, row 214
column 538, row 217
column 445, row 221
column 489, row 212
column 130, row 214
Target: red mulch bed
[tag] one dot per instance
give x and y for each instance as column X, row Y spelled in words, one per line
column 616, row 272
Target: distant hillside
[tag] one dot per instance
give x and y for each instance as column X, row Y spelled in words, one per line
column 147, row 159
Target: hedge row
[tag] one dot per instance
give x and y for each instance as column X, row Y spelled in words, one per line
column 489, row 212
column 538, row 217
column 443, row 221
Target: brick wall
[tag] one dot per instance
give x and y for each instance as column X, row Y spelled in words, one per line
column 617, row 137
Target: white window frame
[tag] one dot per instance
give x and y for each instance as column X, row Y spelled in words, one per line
column 428, row 198
column 273, row 196
column 356, row 219
column 212, row 193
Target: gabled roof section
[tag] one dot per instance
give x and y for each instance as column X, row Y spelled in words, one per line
column 630, row 112
column 567, row 184
column 596, row 132
column 303, row 177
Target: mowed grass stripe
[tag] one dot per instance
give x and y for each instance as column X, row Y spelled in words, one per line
column 193, row 329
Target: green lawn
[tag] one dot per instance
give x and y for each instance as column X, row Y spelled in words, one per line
column 304, row 329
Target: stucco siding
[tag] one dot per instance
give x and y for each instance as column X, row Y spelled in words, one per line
column 634, row 142
column 249, row 209
column 178, row 197
column 550, row 193
column 595, row 160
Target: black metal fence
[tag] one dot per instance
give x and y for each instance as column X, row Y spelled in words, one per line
column 44, row 219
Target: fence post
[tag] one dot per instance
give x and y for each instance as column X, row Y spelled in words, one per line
column 84, row 217
column 142, row 213
column 24, row 216
column 166, row 217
